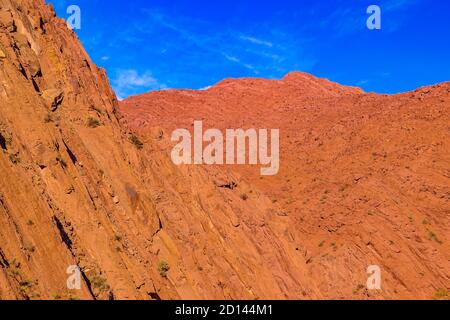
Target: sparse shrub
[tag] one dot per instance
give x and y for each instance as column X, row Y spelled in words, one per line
column 99, row 283
column 163, row 268
column 35, row 296
column 14, row 268
column 8, row 141
column 71, row 296
column 333, row 246
column 26, row 283
column 442, row 294
column 433, row 237
column 358, row 288
column 136, row 142
column 321, row 244
column 61, row 161
column 30, row 223
column 93, row 123
column 48, row 118
column 118, row 237
column 244, row 196
column 15, row 158
column 30, row 248
column 14, row 272
column 26, row 289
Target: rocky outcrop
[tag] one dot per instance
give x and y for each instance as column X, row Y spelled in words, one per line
column 60, row 175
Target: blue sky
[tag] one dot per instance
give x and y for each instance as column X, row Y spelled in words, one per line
column 158, row 44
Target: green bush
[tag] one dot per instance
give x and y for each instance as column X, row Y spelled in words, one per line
column 93, row 123
column 433, row 237
column 61, row 161
column 163, row 268
column 15, row 158
column 442, row 294
column 99, row 283
column 48, row 118
column 136, row 142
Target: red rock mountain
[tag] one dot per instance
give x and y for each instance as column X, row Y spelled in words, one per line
column 364, row 180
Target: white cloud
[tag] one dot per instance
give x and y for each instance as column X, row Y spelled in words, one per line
column 128, row 82
column 238, row 61
column 231, row 58
column 257, row 41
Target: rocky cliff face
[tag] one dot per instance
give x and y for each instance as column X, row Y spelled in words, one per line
column 68, row 187
column 82, row 183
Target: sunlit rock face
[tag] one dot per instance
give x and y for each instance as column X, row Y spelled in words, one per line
column 89, row 187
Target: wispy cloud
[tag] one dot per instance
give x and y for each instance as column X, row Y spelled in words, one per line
column 272, row 55
column 128, row 82
column 231, row 58
column 192, row 45
column 257, row 41
column 192, row 51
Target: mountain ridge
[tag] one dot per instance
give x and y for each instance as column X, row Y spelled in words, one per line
column 362, row 177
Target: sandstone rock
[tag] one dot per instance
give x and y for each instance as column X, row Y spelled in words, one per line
column 20, row 41
column 6, row 21
column 53, row 97
column 34, row 68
